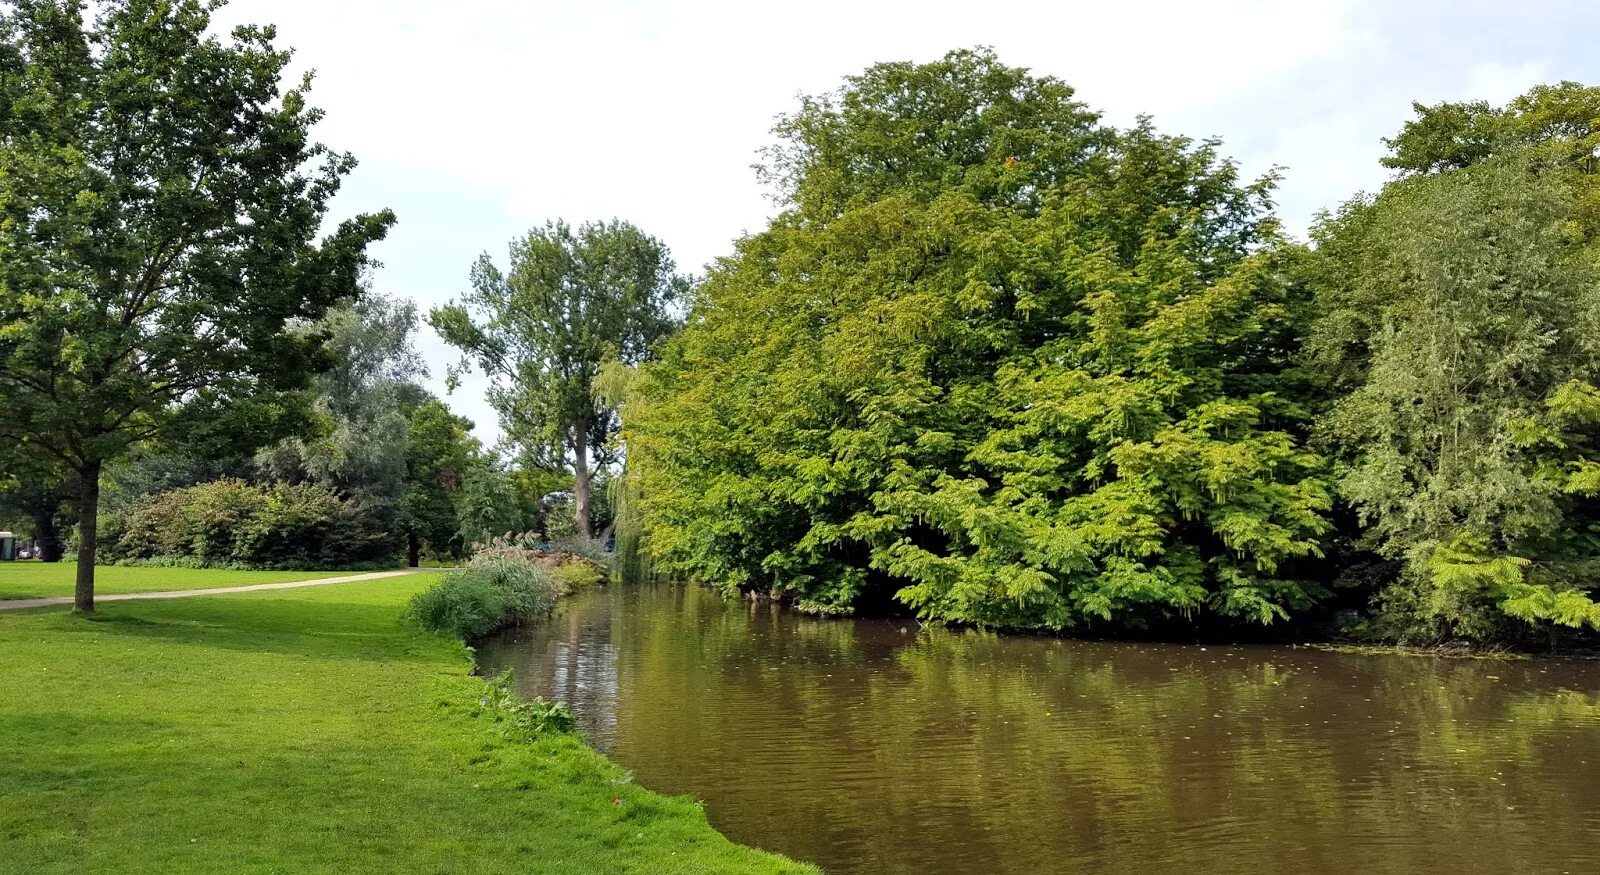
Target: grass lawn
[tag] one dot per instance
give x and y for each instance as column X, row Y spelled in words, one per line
column 39, row 580
column 301, row 730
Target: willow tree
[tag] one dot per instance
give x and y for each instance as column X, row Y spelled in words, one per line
column 1460, row 332
column 995, row 359
column 161, row 202
column 572, row 299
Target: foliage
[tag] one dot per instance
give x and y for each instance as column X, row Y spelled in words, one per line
column 500, row 585
column 572, row 299
column 488, row 504
column 560, row 522
column 467, row 606
column 619, row 384
column 362, row 404
column 161, row 203
column 1562, row 121
column 579, row 576
column 383, row 439
column 440, row 454
column 1457, row 335
column 520, row 719
column 229, row 523
column 996, row 360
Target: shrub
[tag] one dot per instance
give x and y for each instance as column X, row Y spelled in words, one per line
column 578, row 576
column 464, row 604
column 529, row 587
column 519, row 719
column 229, row 523
column 499, row 586
column 304, row 525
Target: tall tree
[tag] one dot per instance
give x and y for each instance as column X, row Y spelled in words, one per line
column 161, row 203
column 572, row 299
column 996, row 360
column 1458, row 317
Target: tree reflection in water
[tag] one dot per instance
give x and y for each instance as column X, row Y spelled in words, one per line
column 873, row 746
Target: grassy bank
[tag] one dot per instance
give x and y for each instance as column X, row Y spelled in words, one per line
column 39, row 580
column 301, row 730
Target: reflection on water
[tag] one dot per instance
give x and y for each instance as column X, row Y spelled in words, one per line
column 871, row 746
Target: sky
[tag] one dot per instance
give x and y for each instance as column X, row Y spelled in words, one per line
column 477, row 120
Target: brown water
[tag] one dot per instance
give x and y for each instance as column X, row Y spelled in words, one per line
column 875, row 747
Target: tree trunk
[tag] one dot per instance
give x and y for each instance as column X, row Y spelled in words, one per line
column 580, row 470
column 46, row 535
column 413, row 550
column 88, row 534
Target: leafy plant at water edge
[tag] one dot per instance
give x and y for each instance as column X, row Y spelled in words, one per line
column 499, row 586
column 523, row 719
column 464, row 604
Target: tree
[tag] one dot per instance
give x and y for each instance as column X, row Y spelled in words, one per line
column 440, row 454
column 1458, row 317
column 362, row 405
column 572, row 299
column 359, row 444
column 160, row 206
column 488, row 504
column 33, row 489
column 995, row 360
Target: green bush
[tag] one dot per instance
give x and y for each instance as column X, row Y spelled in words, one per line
column 465, row 604
column 499, row 586
column 229, row 523
column 579, row 576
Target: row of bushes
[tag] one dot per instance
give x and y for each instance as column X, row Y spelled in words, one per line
column 230, row 523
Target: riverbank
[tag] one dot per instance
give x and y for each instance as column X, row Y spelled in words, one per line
column 305, row 729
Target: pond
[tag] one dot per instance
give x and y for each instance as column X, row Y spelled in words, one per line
column 879, row 747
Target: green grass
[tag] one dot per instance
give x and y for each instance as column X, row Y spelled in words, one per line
column 38, row 580
column 304, row 730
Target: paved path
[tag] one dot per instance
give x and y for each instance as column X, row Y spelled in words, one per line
column 19, row 604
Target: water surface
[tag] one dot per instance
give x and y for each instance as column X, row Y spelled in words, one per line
column 879, row 747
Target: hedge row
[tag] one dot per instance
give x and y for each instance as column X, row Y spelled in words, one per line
column 230, row 523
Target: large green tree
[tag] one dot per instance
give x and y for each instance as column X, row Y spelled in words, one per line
column 571, row 299
column 161, row 213
column 1459, row 333
column 995, row 359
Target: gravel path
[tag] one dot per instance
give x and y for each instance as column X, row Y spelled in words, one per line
column 19, row 604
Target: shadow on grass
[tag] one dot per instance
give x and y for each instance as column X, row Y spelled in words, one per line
column 322, row 629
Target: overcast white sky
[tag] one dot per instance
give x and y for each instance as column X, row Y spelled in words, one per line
column 477, row 119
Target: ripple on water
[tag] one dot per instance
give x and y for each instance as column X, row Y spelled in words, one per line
column 869, row 749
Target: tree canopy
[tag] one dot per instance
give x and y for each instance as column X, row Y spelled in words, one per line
column 161, row 213
column 997, row 360
column 1457, row 335
column 572, row 299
